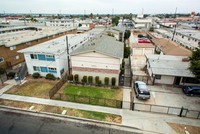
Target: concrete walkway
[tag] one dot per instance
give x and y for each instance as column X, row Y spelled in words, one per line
column 10, row 83
column 126, row 98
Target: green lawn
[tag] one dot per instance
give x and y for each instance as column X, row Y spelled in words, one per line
column 94, row 92
column 92, row 95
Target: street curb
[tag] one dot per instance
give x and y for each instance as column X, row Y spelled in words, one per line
column 74, row 119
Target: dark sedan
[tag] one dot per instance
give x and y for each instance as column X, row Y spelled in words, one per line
column 192, row 90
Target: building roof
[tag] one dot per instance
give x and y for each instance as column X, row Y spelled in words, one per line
column 189, row 32
column 103, row 44
column 58, row 45
column 169, row 47
column 143, row 45
column 25, row 36
column 169, row 65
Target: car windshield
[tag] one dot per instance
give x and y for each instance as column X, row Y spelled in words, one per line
column 143, row 87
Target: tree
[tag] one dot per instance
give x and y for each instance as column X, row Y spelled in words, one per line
column 2, row 71
column 96, row 79
column 91, row 16
column 76, row 77
column 90, row 79
column 127, row 34
column 115, row 20
column 84, row 80
column 195, row 63
column 127, row 51
column 151, row 29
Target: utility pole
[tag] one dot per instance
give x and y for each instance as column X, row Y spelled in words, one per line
column 175, row 25
column 68, row 55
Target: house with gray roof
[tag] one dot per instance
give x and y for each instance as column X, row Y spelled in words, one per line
column 101, row 56
column 170, row 70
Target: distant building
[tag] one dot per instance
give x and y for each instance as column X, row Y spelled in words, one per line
column 62, row 23
column 168, row 23
column 117, row 32
column 142, row 23
column 102, row 56
column 16, row 38
column 170, row 70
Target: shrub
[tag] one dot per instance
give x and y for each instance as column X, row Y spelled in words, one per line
column 70, row 77
column 97, row 79
column 90, row 79
column 106, row 80
column 11, row 75
column 84, row 80
column 76, row 77
column 36, row 75
column 50, row 76
column 113, row 81
column 99, row 83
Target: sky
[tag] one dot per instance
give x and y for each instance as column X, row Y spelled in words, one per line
column 99, row 6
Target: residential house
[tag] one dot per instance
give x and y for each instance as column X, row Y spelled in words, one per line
column 170, row 70
column 101, row 56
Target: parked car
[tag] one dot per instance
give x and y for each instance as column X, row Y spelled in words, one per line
column 141, row 90
column 191, row 90
column 144, row 41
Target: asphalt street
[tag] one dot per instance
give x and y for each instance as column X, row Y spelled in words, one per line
column 18, row 123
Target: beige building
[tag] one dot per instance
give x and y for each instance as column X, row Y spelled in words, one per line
column 101, row 56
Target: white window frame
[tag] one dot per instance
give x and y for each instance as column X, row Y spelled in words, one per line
column 52, row 69
column 36, row 69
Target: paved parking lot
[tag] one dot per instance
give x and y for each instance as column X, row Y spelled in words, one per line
column 170, row 97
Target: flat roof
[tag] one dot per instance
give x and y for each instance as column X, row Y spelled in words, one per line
column 169, row 65
column 58, row 45
column 189, row 32
column 19, row 37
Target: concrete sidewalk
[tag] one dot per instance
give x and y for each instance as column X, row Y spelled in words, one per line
column 155, row 123
column 10, row 83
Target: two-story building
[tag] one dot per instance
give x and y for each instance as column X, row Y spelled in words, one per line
column 101, row 56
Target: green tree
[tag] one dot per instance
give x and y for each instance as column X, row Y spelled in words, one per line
column 113, row 81
column 76, row 77
column 84, row 80
column 127, row 34
column 115, row 20
column 195, row 63
column 90, row 79
column 151, row 29
column 91, row 16
column 106, row 81
column 127, row 51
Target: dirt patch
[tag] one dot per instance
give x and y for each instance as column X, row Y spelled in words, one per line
column 33, row 88
column 181, row 128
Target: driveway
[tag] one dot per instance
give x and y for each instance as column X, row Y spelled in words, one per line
column 170, row 97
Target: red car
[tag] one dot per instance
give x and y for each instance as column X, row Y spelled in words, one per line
column 144, row 41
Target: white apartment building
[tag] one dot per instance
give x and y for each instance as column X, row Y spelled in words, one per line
column 51, row 56
column 62, row 22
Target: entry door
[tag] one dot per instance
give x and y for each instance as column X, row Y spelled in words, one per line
column 177, row 80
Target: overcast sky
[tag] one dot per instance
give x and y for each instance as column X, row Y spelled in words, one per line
column 99, row 6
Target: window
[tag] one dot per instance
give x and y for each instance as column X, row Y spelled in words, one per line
column 52, row 70
column 35, row 68
column 43, row 69
column 33, row 56
column 13, row 47
column 188, row 39
column 17, row 57
column 182, row 36
column 1, row 59
column 41, row 57
column 50, row 57
column 158, row 77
